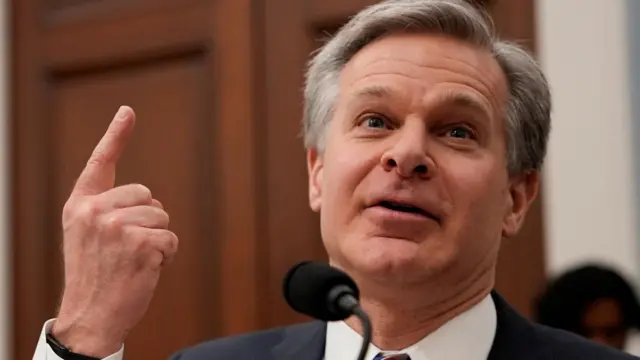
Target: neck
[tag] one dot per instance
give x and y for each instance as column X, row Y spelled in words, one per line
column 404, row 320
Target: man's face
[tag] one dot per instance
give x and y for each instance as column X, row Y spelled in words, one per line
column 413, row 179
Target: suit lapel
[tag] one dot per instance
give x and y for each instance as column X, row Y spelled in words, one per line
column 515, row 337
column 302, row 342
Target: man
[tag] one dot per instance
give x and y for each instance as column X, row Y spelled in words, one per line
column 424, row 137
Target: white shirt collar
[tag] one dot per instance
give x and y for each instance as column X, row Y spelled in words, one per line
column 469, row 336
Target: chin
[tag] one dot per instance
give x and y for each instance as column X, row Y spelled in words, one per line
column 399, row 261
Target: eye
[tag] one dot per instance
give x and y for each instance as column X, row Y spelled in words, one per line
column 374, row 122
column 460, row 132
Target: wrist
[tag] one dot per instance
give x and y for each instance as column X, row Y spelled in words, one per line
column 85, row 340
column 65, row 353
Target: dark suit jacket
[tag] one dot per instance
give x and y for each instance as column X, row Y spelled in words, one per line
column 516, row 339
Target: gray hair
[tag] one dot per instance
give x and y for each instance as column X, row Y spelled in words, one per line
column 527, row 113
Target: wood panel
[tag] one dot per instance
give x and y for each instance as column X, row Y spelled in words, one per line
column 520, row 271
column 188, row 75
column 166, row 155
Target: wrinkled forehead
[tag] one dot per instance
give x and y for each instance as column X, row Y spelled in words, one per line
column 431, row 63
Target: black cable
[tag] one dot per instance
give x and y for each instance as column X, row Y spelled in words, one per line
column 366, row 331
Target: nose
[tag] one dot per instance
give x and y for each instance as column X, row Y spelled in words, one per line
column 408, row 157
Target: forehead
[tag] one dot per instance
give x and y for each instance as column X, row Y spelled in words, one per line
column 427, row 63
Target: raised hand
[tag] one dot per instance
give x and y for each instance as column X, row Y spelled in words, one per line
column 116, row 241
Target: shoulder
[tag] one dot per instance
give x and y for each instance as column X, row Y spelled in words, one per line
column 518, row 337
column 244, row 346
column 564, row 345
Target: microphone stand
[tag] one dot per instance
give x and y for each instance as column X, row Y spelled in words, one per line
column 349, row 302
column 366, row 331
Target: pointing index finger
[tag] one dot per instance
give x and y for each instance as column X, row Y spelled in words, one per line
column 100, row 172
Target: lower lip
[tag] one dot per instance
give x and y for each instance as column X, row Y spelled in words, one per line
column 387, row 214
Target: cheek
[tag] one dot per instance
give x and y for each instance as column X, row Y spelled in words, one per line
column 478, row 194
column 344, row 170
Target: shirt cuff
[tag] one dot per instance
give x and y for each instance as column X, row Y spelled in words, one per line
column 44, row 351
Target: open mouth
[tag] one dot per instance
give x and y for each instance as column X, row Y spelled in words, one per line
column 402, row 207
column 407, row 208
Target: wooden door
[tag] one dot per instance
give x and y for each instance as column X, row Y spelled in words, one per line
column 293, row 229
column 521, row 274
column 185, row 66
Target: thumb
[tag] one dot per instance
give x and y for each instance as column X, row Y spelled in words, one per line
column 99, row 174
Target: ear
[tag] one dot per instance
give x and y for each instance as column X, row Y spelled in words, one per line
column 314, row 168
column 523, row 190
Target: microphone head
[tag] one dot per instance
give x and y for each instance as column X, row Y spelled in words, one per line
column 308, row 289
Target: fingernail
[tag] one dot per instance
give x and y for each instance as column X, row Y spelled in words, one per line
column 122, row 112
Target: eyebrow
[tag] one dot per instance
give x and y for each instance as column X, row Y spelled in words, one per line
column 374, row 91
column 448, row 98
column 463, row 100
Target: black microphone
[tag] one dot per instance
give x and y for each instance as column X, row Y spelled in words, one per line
column 325, row 293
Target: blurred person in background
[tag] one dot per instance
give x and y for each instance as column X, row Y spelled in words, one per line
column 593, row 301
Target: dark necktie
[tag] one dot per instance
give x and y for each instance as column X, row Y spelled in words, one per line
column 391, row 356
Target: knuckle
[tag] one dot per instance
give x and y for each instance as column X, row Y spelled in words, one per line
column 152, row 248
column 112, row 222
column 142, row 242
column 97, row 159
column 158, row 217
column 86, row 210
column 155, row 260
column 138, row 247
column 157, row 203
column 143, row 245
column 172, row 242
column 165, row 217
column 68, row 210
column 143, row 191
